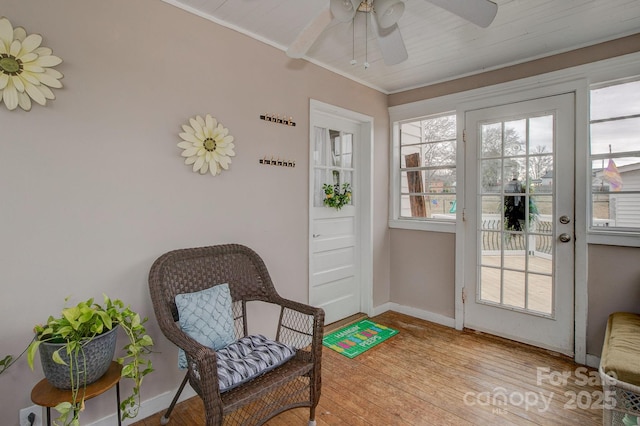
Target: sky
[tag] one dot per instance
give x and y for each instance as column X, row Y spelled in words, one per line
column 621, row 135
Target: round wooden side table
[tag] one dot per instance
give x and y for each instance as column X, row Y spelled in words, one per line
column 45, row 395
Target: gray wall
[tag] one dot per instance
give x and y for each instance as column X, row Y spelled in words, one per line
column 93, row 187
column 423, row 270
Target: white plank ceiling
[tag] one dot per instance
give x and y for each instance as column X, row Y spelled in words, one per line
column 441, row 46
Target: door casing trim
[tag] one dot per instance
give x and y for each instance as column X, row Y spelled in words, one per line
column 364, row 218
column 504, row 96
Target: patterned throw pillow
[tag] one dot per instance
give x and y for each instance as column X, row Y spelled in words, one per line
column 248, row 358
column 206, row 316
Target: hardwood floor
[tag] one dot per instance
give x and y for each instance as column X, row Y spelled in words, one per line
column 433, row 375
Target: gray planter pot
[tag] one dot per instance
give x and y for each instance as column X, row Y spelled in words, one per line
column 98, row 354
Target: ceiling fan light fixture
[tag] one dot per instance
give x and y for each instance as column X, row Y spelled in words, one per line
column 388, row 12
column 344, row 10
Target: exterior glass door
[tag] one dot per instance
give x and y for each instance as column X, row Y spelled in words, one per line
column 521, row 230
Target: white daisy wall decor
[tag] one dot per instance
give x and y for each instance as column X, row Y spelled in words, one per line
column 207, row 145
column 25, row 68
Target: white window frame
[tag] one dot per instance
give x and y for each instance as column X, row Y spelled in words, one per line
column 441, row 225
column 407, row 113
column 602, row 235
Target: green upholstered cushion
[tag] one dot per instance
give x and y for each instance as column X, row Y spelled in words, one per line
column 621, row 350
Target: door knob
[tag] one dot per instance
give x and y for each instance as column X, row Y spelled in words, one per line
column 565, row 238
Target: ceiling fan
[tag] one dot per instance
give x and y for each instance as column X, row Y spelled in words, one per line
column 385, row 22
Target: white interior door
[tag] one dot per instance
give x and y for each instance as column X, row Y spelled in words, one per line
column 519, row 222
column 335, row 278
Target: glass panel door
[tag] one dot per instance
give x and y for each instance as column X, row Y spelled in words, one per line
column 516, row 202
column 519, row 197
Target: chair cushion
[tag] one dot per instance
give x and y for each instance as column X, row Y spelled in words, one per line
column 248, row 358
column 620, row 350
column 206, row 316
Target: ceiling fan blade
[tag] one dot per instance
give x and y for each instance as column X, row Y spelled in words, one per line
column 391, row 43
column 479, row 12
column 309, row 34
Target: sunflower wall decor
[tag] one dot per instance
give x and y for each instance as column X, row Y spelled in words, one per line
column 207, row 145
column 25, row 68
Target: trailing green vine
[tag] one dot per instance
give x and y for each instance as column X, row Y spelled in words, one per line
column 336, row 198
column 81, row 323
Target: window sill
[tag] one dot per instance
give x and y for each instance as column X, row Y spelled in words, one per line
column 614, row 239
column 424, row 225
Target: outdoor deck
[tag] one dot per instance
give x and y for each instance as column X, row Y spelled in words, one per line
column 540, row 286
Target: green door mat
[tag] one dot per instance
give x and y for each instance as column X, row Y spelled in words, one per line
column 356, row 338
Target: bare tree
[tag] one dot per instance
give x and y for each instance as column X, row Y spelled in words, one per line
column 540, row 162
column 440, row 150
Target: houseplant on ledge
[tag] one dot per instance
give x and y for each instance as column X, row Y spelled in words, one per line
column 73, row 333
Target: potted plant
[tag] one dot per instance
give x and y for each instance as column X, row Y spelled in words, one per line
column 336, row 198
column 72, row 334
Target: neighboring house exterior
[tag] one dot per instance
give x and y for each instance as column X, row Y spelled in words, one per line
column 621, row 207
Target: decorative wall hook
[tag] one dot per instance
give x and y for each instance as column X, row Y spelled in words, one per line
column 276, row 162
column 274, row 118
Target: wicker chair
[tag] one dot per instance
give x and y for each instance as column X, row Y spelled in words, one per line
column 293, row 384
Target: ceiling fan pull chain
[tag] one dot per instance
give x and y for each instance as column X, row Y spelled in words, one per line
column 366, row 42
column 353, row 41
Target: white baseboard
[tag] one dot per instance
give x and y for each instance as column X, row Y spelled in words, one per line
column 415, row 312
column 380, row 309
column 148, row 407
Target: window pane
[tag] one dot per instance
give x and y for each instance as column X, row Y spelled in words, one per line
column 491, row 176
column 490, row 284
column 491, row 209
column 615, row 174
column 540, row 288
column 347, row 150
column 514, row 170
column 541, row 172
column 318, row 193
column 491, row 140
column 615, row 136
column 515, row 137
column 440, row 128
column 440, row 154
column 320, row 146
column 615, row 101
column 541, row 135
column 410, row 133
column 428, row 206
column 441, row 180
column 543, row 205
column 616, row 210
column 600, row 211
column 514, row 289
column 411, row 156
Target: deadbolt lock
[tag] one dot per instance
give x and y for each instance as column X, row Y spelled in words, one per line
column 565, row 238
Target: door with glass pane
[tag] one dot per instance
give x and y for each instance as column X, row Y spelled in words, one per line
column 334, row 249
column 519, row 273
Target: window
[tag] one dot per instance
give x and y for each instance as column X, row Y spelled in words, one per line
column 426, row 185
column 615, row 157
